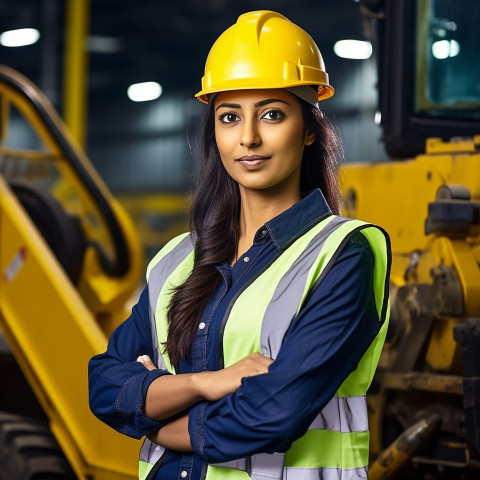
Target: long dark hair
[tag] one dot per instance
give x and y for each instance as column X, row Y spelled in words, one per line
column 214, row 218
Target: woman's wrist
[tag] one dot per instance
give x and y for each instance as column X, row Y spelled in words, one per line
column 170, row 394
column 199, row 384
column 173, row 436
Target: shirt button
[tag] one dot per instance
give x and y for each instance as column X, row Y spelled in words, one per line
column 264, row 232
column 201, row 326
column 246, row 259
column 184, row 473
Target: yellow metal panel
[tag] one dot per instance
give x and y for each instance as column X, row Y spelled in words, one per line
column 114, row 292
column 396, row 195
column 442, row 348
column 53, row 335
column 437, row 145
column 26, row 109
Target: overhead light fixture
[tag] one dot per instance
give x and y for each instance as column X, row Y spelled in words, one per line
column 353, row 49
column 445, row 48
column 145, row 91
column 104, row 44
column 20, row 37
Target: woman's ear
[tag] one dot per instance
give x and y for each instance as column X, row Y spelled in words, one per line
column 309, row 137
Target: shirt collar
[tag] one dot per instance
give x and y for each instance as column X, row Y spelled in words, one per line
column 291, row 224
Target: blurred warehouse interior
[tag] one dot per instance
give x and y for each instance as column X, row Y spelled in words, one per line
column 142, row 150
column 71, row 259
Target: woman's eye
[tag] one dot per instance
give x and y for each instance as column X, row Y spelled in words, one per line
column 273, row 115
column 228, row 118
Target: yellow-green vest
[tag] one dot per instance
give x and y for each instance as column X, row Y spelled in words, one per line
column 336, row 444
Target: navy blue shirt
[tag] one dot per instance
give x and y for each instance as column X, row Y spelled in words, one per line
column 268, row 412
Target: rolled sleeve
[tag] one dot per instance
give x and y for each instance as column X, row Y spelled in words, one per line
column 196, row 417
column 324, row 344
column 118, row 384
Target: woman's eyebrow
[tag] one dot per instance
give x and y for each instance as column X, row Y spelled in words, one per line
column 228, row 105
column 261, row 103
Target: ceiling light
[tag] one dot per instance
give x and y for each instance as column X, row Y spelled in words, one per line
column 353, row 49
column 145, row 91
column 445, row 49
column 103, row 44
column 20, row 37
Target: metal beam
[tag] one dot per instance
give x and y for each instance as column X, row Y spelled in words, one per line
column 75, row 99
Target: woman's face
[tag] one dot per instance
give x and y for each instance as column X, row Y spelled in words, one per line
column 260, row 136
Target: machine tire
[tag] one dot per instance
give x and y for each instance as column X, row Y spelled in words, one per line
column 62, row 232
column 28, row 451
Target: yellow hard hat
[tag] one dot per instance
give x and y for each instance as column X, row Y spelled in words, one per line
column 264, row 50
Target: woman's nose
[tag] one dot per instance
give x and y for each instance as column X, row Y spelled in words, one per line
column 250, row 135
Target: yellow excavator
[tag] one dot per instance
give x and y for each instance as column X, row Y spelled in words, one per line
column 425, row 401
column 69, row 260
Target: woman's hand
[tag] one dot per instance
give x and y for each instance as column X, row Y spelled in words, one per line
column 215, row 385
column 147, row 362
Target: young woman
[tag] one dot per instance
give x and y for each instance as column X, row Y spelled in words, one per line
column 251, row 349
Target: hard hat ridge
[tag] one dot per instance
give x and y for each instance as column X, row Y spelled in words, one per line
column 256, row 20
column 264, row 50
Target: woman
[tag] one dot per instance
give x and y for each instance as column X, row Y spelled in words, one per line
column 272, row 314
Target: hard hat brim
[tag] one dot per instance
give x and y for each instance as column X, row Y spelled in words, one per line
column 324, row 91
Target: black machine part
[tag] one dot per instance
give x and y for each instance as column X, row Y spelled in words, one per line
column 61, row 231
column 28, row 451
column 467, row 334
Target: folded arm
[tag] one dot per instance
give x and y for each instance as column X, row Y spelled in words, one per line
column 171, row 395
column 136, row 398
column 118, row 383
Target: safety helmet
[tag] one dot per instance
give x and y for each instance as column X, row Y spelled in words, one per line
column 264, row 50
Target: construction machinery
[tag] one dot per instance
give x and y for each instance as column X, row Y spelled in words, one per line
column 69, row 260
column 425, row 401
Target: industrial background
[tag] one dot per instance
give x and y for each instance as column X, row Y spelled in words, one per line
column 93, row 182
column 145, row 147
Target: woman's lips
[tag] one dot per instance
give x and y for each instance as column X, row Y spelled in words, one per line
column 252, row 161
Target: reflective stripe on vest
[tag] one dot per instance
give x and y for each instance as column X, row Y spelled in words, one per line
column 150, row 454
column 341, row 428
column 343, row 415
column 166, row 262
column 325, row 474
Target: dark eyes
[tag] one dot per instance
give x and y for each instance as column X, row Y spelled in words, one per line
column 271, row 115
column 228, row 117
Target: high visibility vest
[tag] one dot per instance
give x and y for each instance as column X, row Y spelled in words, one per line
column 336, row 445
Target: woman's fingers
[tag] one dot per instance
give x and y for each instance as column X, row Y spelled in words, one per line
column 260, row 362
column 214, row 385
column 252, row 364
column 146, row 361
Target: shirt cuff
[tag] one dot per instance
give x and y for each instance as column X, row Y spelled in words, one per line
column 133, row 394
column 196, row 416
